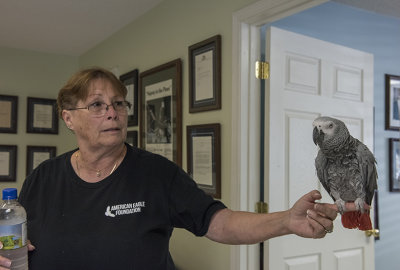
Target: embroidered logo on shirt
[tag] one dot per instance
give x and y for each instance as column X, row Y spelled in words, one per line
column 124, row 209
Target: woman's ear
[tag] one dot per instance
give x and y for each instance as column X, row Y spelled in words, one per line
column 67, row 117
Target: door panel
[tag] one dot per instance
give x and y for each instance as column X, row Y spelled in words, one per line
column 310, row 78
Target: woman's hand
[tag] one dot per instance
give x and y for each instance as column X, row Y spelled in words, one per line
column 311, row 219
column 5, row 263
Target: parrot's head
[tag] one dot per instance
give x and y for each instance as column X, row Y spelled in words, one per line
column 329, row 133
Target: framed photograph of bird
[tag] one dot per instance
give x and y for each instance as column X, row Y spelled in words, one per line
column 160, row 110
column 392, row 85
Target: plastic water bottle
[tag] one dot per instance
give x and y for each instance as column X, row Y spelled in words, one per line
column 13, row 230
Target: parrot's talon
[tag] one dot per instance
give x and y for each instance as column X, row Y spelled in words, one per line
column 341, row 205
column 359, row 203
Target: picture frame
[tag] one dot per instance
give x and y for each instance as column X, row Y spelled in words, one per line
column 394, row 164
column 132, row 138
column 8, row 114
column 392, row 100
column 37, row 154
column 8, row 163
column 205, row 75
column 160, row 108
column 42, row 116
column 204, row 157
column 130, row 80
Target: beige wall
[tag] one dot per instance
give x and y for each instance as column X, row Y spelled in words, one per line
column 31, row 74
column 162, row 35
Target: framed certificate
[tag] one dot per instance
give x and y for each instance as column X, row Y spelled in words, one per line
column 205, row 75
column 8, row 114
column 161, row 110
column 42, row 116
column 204, row 157
column 8, row 161
column 130, row 80
column 37, row 154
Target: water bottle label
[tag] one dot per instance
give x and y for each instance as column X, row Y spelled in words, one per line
column 13, row 236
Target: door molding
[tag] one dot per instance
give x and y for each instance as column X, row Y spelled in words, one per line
column 245, row 131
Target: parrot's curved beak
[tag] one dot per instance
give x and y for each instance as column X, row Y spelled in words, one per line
column 318, row 136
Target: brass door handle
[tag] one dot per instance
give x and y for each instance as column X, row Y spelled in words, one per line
column 373, row 232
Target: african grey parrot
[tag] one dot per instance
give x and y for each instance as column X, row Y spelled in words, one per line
column 346, row 169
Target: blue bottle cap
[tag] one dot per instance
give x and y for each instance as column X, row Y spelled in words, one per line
column 9, row 194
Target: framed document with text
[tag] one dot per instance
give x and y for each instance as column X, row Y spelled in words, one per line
column 204, row 157
column 37, row 154
column 8, row 114
column 161, row 110
column 8, row 163
column 42, row 116
column 205, row 75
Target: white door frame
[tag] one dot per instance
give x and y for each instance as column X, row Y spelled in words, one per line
column 245, row 165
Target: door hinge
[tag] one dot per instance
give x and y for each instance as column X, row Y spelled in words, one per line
column 261, row 207
column 262, row 70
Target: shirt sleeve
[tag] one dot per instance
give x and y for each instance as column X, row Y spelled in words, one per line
column 190, row 207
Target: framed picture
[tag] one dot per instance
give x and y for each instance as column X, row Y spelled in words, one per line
column 205, row 75
column 130, row 80
column 161, row 110
column 8, row 161
column 37, row 154
column 132, row 138
column 394, row 164
column 42, row 116
column 8, row 114
column 392, row 84
column 204, row 157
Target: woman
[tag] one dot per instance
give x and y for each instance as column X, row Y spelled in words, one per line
column 106, row 205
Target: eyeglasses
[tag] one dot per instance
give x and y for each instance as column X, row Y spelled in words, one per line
column 100, row 108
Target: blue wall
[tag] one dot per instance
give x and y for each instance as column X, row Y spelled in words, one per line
column 380, row 36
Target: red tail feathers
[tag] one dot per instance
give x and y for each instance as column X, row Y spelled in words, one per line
column 353, row 220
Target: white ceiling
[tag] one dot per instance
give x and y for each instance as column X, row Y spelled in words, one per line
column 72, row 27
column 69, row 27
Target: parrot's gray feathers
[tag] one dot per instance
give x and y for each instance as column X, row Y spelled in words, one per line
column 368, row 170
column 345, row 166
column 320, row 164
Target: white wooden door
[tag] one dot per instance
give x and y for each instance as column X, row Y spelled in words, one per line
column 310, row 78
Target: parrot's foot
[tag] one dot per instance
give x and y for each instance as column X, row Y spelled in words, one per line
column 341, row 205
column 359, row 205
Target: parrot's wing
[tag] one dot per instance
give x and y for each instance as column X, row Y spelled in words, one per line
column 320, row 166
column 368, row 171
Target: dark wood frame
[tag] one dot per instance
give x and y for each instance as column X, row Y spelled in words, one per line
column 132, row 138
column 213, row 130
column 12, row 169
column 393, row 171
column 168, row 71
column 389, row 103
column 32, row 149
column 212, row 44
column 13, row 113
column 131, row 78
column 30, row 128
